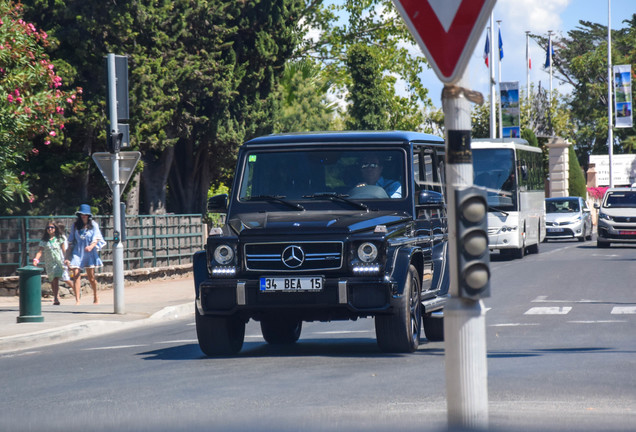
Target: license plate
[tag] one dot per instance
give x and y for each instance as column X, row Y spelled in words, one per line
column 291, row 284
column 555, row 229
column 627, row 232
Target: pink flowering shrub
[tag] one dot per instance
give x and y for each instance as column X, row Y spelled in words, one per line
column 32, row 102
column 597, row 193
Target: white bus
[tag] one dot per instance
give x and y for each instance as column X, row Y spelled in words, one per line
column 512, row 173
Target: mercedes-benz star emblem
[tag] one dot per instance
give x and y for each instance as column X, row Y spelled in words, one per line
column 293, row 256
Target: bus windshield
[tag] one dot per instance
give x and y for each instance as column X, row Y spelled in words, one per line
column 494, row 169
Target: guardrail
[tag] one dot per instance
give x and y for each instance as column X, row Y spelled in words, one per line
column 150, row 240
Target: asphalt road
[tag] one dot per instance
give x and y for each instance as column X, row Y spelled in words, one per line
column 560, row 329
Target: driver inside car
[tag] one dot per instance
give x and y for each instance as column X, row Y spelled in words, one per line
column 371, row 173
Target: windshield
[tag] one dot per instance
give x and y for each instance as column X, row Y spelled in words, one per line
column 303, row 174
column 562, row 206
column 494, row 170
column 620, row 199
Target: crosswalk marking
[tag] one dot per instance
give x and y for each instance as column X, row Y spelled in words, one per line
column 621, row 310
column 554, row 310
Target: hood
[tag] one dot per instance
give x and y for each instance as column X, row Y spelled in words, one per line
column 308, row 222
column 620, row 211
column 558, row 217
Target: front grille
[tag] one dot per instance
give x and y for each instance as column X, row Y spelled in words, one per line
column 292, row 257
column 624, row 219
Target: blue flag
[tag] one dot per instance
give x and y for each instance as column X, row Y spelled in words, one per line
column 547, row 54
column 500, row 46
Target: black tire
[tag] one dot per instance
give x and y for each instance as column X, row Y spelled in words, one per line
column 589, row 236
column 401, row 331
column 582, row 238
column 281, row 330
column 519, row 253
column 219, row 336
column 433, row 327
column 602, row 244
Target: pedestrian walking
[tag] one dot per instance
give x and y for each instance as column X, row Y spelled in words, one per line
column 85, row 241
column 54, row 250
column 66, row 276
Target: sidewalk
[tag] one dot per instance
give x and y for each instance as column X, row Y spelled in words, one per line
column 144, row 303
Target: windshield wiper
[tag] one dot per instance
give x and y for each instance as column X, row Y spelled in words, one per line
column 277, row 198
column 505, row 213
column 333, row 196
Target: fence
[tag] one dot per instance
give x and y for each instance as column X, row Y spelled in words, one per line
column 150, row 240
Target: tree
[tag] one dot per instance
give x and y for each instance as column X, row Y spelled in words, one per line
column 32, row 106
column 576, row 179
column 581, row 60
column 304, row 104
column 368, row 110
column 202, row 80
column 377, row 25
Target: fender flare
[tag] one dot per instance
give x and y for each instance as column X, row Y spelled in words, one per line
column 403, row 257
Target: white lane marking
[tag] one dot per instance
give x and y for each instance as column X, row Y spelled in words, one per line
column 544, row 299
column 114, row 347
column 514, row 325
column 253, row 336
column 178, row 341
column 555, row 310
column 620, row 310
column 22, row 354
column 342, row 332
column 598, row 322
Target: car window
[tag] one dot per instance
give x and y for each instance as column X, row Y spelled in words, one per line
column 297, row 174
column 620, row 199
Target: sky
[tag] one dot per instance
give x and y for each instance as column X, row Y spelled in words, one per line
column 538, row 17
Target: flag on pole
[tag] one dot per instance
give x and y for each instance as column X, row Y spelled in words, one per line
column 487, row 50
column 500, row 46
column 547, row 54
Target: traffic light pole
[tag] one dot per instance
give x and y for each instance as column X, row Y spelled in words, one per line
column 118, row 248
column 464, row 318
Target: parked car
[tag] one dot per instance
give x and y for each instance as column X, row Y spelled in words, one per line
column 617, row 217
column 327, row 226
column 568, row 217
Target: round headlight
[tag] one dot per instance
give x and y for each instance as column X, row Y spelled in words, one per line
column 223, row 254
column 367, row 252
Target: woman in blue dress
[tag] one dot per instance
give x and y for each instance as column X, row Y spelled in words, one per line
column 85, row 241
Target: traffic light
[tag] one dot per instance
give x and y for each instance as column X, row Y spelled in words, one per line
column 473, row 255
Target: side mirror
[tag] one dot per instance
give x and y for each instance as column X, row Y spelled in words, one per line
column 430, row 199
column 596, row 206
column 218, row 204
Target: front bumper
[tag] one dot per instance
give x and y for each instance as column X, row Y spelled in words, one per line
column 563, row 231
column 616, row 232
column 340, row 298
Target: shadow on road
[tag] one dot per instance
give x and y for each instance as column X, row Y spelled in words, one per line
column 349, row 348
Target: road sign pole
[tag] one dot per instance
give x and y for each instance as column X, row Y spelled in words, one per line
column 118, row 248
column 464, row 319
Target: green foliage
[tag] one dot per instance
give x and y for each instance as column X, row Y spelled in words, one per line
column 529, row 136
column 32, row 106
column 367, row 94
column 582, row 62
column 304, row 99
column 375, row 24
column 576, row 179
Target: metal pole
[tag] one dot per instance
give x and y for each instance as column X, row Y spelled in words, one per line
column 118, row 248
column 499, row 63
column 550, row 59
column 610, row 120
column 464, row 319
column 491, row 63
column 528, row 71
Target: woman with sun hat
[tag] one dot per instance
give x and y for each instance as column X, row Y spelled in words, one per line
column 85, row 242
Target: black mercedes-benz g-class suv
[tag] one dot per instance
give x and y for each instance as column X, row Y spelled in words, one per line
column 327, row 226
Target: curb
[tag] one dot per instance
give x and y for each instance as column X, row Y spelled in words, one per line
column 88, row 329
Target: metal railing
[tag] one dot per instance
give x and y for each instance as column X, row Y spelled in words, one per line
column 149, row 241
